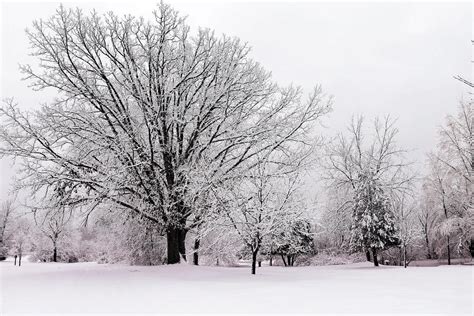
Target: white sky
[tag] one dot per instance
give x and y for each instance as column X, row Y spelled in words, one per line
column 375, row 58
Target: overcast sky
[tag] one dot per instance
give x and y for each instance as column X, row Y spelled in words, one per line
column 375, row 58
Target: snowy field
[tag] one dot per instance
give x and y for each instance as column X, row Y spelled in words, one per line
column 351, row 289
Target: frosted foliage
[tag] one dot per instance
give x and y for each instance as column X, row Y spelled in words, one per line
column 336, row 220
column 117, row 133
column 449, row 187
column 373, row 221
column 221, row 246
column 130, row 240
column 295, row 239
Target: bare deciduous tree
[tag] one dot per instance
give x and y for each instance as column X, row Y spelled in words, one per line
column 140, row 105
column 456, row 147
column 53, row 224
column 349, row 156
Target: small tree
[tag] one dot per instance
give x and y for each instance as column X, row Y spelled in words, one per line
column 20, row 238
column 261, row 204
column 53, row 225
column 294, row 240
column 373, row 225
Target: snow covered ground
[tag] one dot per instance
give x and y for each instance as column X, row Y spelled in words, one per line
column 350, row 289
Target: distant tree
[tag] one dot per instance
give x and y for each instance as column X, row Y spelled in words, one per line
column 408, row 229
column 53, row 225
column 336, row 219
column 352, row 154
column 294, row 239
column 457, row 155
column 145, row 242
column 450, row 181
column 6, row 214
column 374, row 226
column 351, row 157
column 262, row 203
column 123, row 238
column 427, row 218
column 20, row 240
column 438, row 181
column 220, row 244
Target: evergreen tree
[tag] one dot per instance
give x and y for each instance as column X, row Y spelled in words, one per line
column 373, row 226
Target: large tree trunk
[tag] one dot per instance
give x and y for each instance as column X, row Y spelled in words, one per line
column 19, row 260
column 367, row 254
column 374, row 254
column 427, row 241
column 400, row 256
column 172, row 240
column 175, row 238
column 55, row 254
column 176, row 235
column 271, row 261
column 254, row 261
column 197, row 241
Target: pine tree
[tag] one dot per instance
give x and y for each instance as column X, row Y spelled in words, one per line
column 373, row 226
